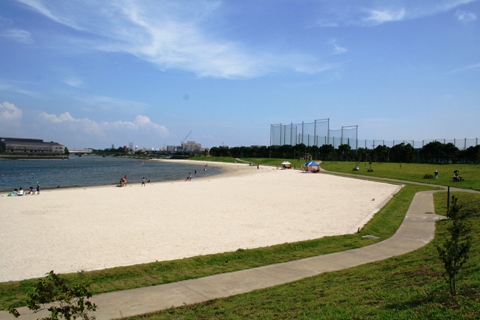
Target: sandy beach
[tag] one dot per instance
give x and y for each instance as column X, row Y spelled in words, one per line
column 69, row 230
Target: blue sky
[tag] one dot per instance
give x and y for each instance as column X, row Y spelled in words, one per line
column 96, row 73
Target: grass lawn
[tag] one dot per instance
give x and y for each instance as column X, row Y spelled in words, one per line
column 403, row 287
column 410, row 286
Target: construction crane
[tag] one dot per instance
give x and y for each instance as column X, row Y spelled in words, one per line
column 181, row 142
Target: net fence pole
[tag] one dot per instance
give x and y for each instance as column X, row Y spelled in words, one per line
column 291, row 133
column 303, row 132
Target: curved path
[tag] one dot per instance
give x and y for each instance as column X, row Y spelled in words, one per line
column 417, row 229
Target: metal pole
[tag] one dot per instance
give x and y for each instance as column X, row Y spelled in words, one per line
column 448, row 199
column 303, row 132
column 328, row 130
column 291, row 133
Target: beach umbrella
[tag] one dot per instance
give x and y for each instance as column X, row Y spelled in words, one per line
column 311, row 164
column 286, row 162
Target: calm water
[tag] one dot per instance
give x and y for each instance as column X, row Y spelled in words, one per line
column 92, row 171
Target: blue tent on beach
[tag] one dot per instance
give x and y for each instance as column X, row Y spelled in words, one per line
column 312, row 166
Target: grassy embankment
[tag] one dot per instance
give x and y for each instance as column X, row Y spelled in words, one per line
column 407, row 285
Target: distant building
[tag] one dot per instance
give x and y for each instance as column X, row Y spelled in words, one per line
column 171, row 149
column 30, row 146
column 191, row 146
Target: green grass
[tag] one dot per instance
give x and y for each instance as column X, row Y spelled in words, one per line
column 405, row 287
column 414, row 172
column 410, row 286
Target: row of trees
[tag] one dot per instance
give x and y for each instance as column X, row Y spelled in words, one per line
column 433, row 152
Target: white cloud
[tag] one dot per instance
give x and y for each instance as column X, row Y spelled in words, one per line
column 384, row 15
column 342, row 13
column 169, row 34
column 73, row 82
column 465, row 17
column 85, row 127
column 9, row 114
column 18, row 35
column 338, row 49
column 57, row 119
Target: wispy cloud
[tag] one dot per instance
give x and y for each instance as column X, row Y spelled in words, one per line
column 171, row 35
column 337, row 48
column 73, row 82
column 465, row 17
column 342, row 13
column 379, row 16
column 18, row 35
column 112, row 104
column 466, row 68
column 18, row 88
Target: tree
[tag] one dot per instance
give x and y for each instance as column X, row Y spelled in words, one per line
column 402, row 153
column 325, row 151
column 344, row 150
column 70, row 303
column 471, row 154
column 381, row 153
column 454, row 251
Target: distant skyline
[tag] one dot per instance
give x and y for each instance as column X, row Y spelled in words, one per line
column 96, row 73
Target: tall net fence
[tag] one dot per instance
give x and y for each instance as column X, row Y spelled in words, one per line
column 461, row 144
column 318, row 133
column 297, row 133
column 315, row 133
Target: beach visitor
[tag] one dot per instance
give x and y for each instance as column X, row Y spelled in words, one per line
column 143, row 182
column 30, row 191
column 456, row 175
column 436, row 174
column 20, row 192
column 125, row 179
column 38, row 188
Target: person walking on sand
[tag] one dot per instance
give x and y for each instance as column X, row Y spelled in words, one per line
column 143, row 182
column 38, row 188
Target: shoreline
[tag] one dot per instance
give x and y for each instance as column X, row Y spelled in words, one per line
column 225, row 170
column 242, row 208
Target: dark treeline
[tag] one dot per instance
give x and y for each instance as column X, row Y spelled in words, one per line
column 433, row 152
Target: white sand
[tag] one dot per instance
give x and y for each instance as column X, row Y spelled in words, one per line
column 68, row 230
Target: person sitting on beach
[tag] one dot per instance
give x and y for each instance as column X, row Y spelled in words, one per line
column 20, row 192
column 30, row 191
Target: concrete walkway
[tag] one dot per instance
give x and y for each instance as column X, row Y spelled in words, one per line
column 417, row 230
